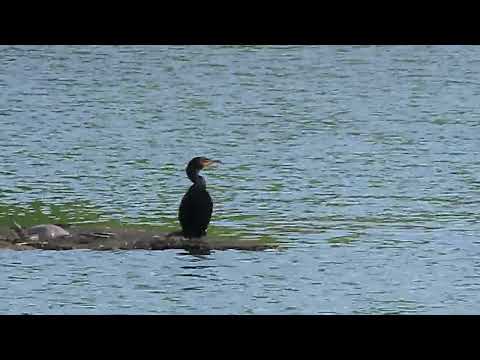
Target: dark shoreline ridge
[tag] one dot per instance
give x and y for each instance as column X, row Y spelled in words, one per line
column 108, row 238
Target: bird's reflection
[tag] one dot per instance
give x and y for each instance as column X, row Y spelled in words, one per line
column 197, row 252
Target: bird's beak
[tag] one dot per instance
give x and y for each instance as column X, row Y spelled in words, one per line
column 208, row 162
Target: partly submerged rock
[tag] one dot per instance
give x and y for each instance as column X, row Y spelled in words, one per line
column 43, row 232
column 46, row 232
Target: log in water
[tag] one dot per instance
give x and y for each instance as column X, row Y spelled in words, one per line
column 129, row 239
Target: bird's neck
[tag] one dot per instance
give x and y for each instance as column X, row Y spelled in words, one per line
column 195, row 177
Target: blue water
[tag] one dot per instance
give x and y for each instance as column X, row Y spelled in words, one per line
column 361, row 160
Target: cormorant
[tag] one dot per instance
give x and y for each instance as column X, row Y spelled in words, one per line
column 196, row 207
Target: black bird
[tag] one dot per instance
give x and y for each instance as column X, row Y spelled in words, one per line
column 196, row 207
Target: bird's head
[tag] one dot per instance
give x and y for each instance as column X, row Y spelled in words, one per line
column 201, row 162
column 197, row 164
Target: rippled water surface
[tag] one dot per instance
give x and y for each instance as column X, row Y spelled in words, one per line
column 361, row 160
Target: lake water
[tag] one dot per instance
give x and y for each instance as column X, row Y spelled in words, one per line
column 362, row 161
